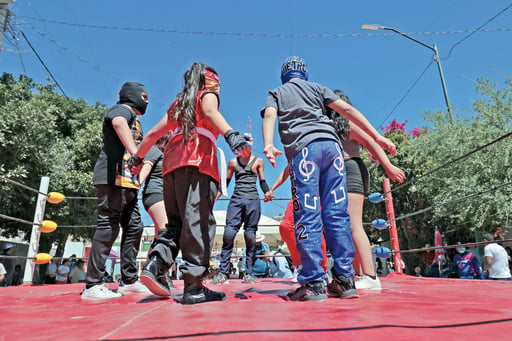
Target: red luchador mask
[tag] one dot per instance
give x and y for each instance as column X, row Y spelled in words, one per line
column 211, row 82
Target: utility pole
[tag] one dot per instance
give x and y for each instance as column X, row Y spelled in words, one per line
column 4, row 18
column 437, row 59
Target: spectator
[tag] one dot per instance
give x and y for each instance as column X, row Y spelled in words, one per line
column 431, row 267
column 509, row 253
column 77, row 275
column 261, row 267
column 241, row 268
column 17, row 276
column 8, row 263
column 417, row 271
column 51, row 272
column 233, row 274
column 2, row 272
column 72, row 262
column 466, row 265
column 496, row 260
column 62, row 272
column 280, row 267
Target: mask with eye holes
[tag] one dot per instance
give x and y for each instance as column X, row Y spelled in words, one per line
column 135, row 95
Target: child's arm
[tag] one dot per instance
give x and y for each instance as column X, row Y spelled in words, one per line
column 281, row 178
column 237, row 143
column 145, row 170
column 357, row 134
column 269, row 122
column 352, row 114
column 159, row 130
column 124, row 133
column 260, row 168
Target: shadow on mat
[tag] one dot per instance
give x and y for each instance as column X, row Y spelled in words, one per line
column 243, row 294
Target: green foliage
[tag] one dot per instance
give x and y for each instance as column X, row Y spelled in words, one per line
column 43, row 133
column 447, row 190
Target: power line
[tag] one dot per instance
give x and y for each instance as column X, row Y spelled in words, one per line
column 407, row 92
column 269, row 35
column 73, row 53
column 42, row 62
column 477, row 30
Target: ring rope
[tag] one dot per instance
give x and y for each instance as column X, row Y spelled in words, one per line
column 452, row 201
column 22, row 185
column 17, row 220
column 453, row 246
column 414, row 178
column 284, row 255
column 447, row 202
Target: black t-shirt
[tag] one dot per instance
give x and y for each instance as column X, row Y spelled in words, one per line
column 110, row 167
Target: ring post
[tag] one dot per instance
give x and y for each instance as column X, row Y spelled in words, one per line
column 397, row 259
column 34, row 237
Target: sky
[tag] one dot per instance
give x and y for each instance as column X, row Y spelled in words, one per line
column 90, row 48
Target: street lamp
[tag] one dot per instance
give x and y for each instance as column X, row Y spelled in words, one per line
column 374, row 27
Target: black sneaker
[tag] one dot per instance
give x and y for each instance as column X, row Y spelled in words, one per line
column 309, row 292
column 342, row 287
column 154, row 276
column 201, row 295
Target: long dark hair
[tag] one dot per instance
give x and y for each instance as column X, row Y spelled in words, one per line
column 340, row 123
column 185, row 110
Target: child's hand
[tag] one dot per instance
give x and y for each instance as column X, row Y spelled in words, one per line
column 135, row 164
column 395, row 174
column 271, row 152
column 386, row 144
column 268, row 196
column 238, row 144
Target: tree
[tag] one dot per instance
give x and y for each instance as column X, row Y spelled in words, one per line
column 43, row 133
column 446, row 192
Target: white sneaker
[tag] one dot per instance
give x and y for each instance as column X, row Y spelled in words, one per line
column 100, row 292
column 366, row 282
column 135, row 288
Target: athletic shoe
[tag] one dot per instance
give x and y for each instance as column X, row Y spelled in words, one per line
column 201, row 295
column 99, row 292
column 135, row 288
column 220, row 278
column 366, row 282
column 342, row 287
column 154, row 277
column 249, row 279
column 309, row 292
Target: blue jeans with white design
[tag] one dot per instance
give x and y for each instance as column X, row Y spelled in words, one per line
column 318, row 175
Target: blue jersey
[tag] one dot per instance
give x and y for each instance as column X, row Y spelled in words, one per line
column 466, row 265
